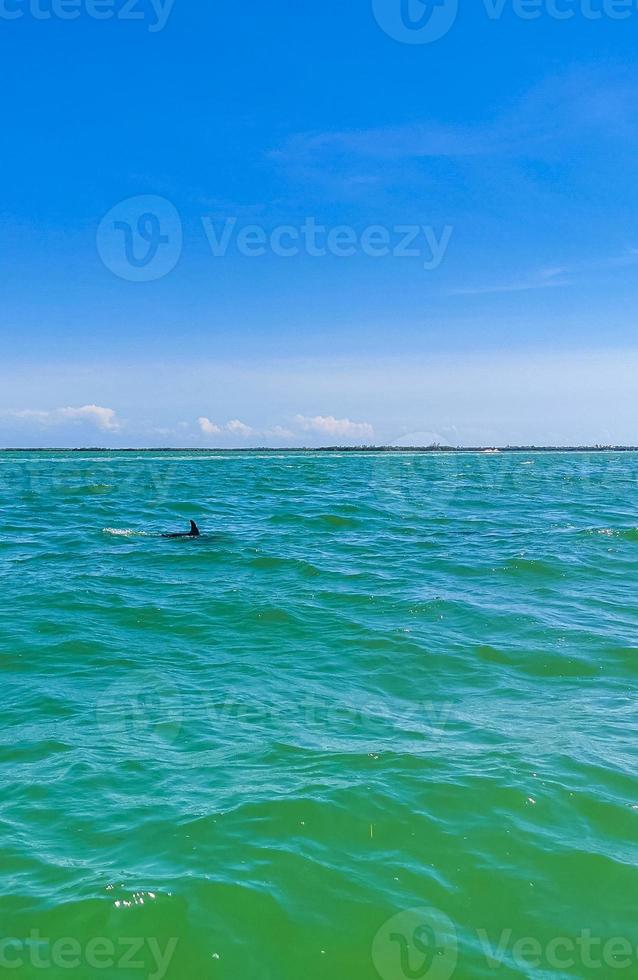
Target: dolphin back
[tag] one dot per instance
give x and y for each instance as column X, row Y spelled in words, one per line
column 193, row 533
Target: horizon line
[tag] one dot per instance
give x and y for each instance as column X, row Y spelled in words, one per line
column 322, row 449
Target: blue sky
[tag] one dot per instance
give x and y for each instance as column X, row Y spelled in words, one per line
column 500, row 157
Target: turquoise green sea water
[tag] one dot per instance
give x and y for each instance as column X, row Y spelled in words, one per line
column 378, row 721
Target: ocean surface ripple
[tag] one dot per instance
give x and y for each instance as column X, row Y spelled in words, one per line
column 377, row 683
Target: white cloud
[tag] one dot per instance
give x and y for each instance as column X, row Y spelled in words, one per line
column 326, row 426
column 330, row 426
column 103, row 418
column 238, row 428
column 234, row 427
column 208, row 428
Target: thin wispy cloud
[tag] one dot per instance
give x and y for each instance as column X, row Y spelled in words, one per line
column 391, row 143
column 558, row 112
column 552, row 277
column 540, row 281
column 328, row 425
column 102, row 418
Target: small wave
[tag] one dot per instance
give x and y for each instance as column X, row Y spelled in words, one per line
column 337, row 520
column 626, row 533
column 93, row 488
column 532, row 566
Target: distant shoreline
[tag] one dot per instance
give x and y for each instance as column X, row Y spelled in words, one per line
column 361, row 450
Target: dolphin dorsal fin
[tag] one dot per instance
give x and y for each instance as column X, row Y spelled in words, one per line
column 194, row 529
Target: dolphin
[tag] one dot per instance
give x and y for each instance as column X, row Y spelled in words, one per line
column 193, row 533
